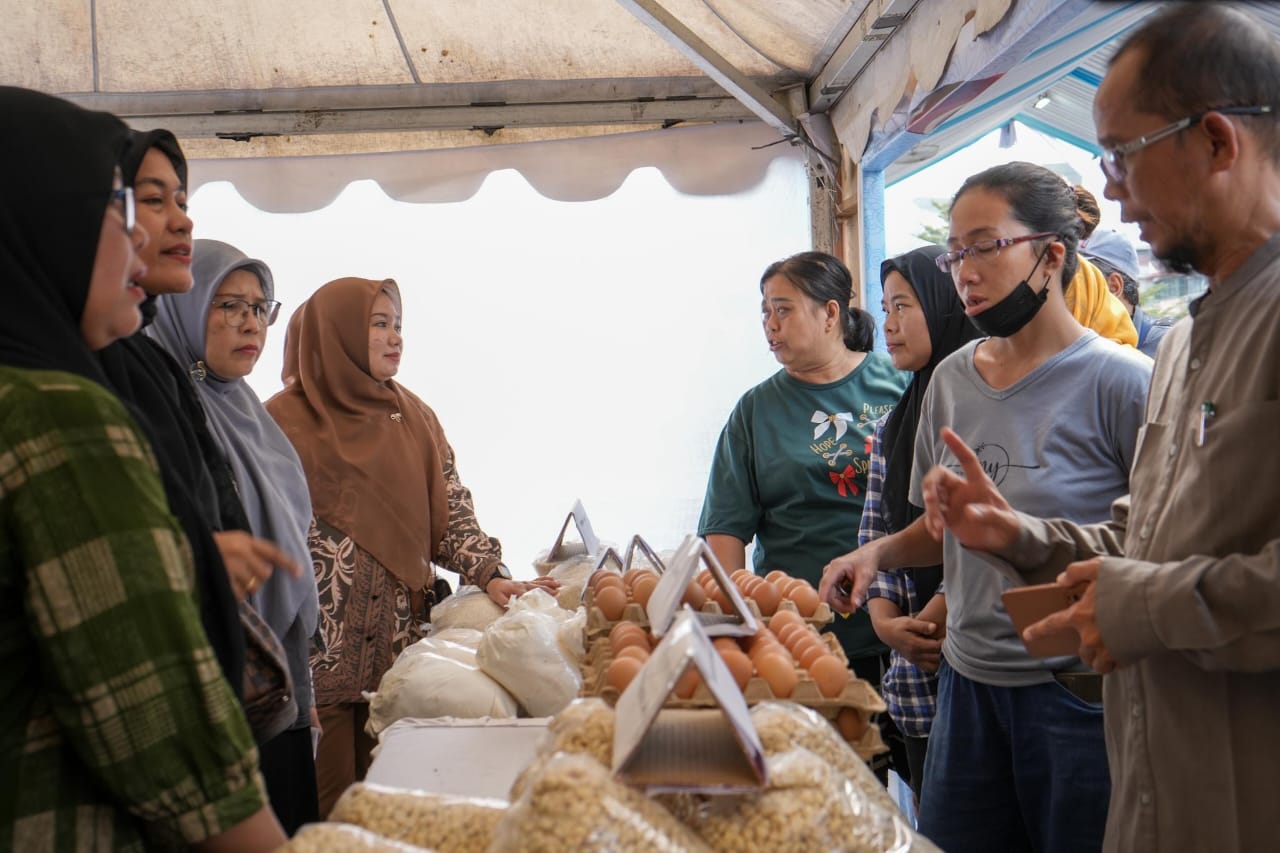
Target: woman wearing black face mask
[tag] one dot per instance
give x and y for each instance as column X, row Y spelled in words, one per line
column 1016, row 753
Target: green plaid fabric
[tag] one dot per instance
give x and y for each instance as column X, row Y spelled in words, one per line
column 117, row 729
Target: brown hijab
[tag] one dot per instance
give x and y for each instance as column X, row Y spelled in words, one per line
column 372, row 451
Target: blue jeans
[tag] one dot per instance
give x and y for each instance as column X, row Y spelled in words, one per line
column 1014, row 769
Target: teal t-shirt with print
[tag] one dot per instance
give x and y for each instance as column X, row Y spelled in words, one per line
column 790, row 470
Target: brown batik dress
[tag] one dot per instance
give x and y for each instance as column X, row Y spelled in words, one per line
column 367, row 615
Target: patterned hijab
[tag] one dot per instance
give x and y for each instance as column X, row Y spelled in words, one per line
column 373, row 452
column 267, row 472
column 949, row 329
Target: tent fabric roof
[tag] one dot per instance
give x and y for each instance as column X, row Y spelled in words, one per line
column 722, row 159
column 903, row 82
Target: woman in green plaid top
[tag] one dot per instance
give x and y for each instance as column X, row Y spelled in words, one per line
column 119, row 731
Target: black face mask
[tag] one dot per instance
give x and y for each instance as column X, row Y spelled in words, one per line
column 1009, row 315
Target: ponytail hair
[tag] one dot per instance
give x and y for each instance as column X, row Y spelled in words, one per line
column 824, row 278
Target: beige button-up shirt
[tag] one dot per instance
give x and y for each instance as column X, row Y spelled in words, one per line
column 1191, row 611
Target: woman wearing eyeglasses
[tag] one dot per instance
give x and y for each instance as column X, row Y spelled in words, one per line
column 1016, row 755
column 217, row 331
column 119, row 733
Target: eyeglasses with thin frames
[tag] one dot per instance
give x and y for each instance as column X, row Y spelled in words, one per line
column 983, row 250
column 1113, row 159
column 124, row 195
column 236, row 311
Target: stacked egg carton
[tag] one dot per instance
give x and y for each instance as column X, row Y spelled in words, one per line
column 788, row 660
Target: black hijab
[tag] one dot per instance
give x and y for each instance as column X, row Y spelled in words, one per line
column 949, row 329
column 59, row 161
column 196, row 475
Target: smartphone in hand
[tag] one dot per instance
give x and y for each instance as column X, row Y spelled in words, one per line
column 1029, row 604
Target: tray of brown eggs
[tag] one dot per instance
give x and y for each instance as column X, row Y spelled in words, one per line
column 611, row 597
column 787, row 659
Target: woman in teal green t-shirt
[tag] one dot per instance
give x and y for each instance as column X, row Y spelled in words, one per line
column 790, row 467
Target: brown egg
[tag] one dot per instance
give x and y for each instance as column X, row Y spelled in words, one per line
column 803, row 643
column 851, row 724
column 608, row 579
column 643, row 588
column 811, row 655
column 694, row 596
column 806, row 599
column 783, row 618
column 766, row 596
column 688, row 683
column 611, row 601
column 639, row 653
column 788, row 631
column 621, row 672
column 830, row 674
column 622, row 629
column 778, row 673
column 740, row 665
column 630, row 641
column 777, row 576
column 739, row 575
column 726, row 644
column 790, row 586
column 749, row 584
column 633, row 575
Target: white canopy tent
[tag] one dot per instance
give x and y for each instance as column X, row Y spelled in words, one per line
column 244, row 80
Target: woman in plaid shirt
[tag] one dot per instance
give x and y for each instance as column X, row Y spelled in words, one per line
column 924, row 323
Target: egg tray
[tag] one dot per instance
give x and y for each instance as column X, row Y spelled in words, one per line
column 857, row 694
column 600, row 653
column 600, row 626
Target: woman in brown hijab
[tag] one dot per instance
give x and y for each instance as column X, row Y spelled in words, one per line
column 387, row 503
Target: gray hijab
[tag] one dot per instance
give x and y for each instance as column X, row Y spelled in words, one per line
column 268, row 474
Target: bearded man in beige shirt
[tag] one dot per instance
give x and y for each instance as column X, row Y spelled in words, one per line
column 1182, row 603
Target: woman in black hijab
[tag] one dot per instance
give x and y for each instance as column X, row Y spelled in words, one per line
column 924, row 323
column 230, row 563
column 117, row 730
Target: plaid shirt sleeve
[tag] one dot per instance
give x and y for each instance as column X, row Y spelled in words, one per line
column 872, row 526
column 128, row 732
column 466, row 549
column 908, row 691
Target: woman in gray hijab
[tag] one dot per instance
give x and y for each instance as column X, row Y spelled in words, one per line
column 218, row 331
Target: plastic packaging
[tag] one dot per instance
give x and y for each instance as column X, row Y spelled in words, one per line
column 783, row 726
column 525, row 652
column 572, row 574
column 469, row 607
column 445, row 823
column 469, row 637
column 444, row 648
column 573, row 803
column 807, row 808
column 328, row 837
column 431, row 685
column 584, row 727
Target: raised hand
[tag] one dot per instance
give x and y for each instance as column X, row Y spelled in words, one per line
column 968, row 504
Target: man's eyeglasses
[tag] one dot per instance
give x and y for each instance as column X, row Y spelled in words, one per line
column 983, row 250
column 236, row 311
column 124, row 195
column 1113, row 159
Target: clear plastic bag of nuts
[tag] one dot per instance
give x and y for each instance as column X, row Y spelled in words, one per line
column 573, row 803
column 584, row 727
column 442, row 822
column 783, row 726
column 327, row 837
column 807, row 808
